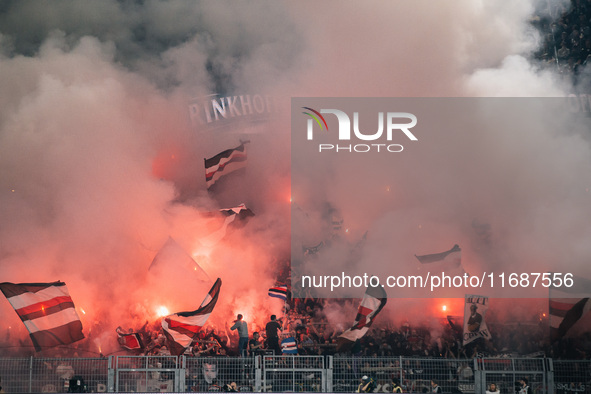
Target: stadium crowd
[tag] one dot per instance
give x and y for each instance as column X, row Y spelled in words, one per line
column 566, row 46
column 313, row 336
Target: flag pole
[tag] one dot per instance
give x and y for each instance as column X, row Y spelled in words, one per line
column 284, row 314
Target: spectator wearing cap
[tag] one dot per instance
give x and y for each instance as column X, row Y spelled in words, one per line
column 367, row 385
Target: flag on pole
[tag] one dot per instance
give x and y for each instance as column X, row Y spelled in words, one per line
column 289, row 346
column 311, row 250
column 452, row 256
column 180, row 328
column 278, row 292
column 475, row 327
column 130, row 341
column 172, row 260
column 47, row 311
column 233, row 217
column 373, row 301
column 225, row 163
column 567, row 305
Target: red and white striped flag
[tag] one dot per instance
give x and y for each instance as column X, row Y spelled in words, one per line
column 180, row 328
column 224, row 163
column 47, row 310
column 373, row 301
column 129, row 341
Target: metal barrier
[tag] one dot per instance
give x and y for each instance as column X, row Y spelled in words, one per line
column 145, row 374
column 414, row 374
column 294, row 374
column 51, row 375
column 289, row 373
column 570, row 377
column 506, row 372
column 212, row 373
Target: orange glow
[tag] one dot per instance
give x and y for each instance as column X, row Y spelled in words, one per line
column 447, row 306
column 83, row 312
column 162, row 311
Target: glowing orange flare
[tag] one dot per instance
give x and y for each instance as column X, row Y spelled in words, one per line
column 444, row 308
column 83, row 312
column 162, row 311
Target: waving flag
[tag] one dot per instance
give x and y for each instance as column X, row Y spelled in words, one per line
column 278, row 292
column 47, row 310
column 225, row 163
column 234, row 218
column 311, row 250
column 289, row 346
column 173, row 261
column 568, row 305
column 452, row 256
column 372, row 303
column 180, row 328
column 130, row 341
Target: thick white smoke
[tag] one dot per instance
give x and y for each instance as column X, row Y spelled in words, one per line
column 100, row 164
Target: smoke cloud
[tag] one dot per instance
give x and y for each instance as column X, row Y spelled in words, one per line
column 100, row 163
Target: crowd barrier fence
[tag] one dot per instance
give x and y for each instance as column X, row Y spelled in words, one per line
column 268, row 373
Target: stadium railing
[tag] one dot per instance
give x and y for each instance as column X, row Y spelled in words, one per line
column 290, row 373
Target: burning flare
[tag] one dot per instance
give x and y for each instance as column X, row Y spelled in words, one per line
column 162, row 311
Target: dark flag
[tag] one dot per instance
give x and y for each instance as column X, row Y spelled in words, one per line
column 47, row 310
column 312, row 249
column 181, row 328
column 453, row 256
column 372, row 303
column 224, row 163
column 568, row 305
